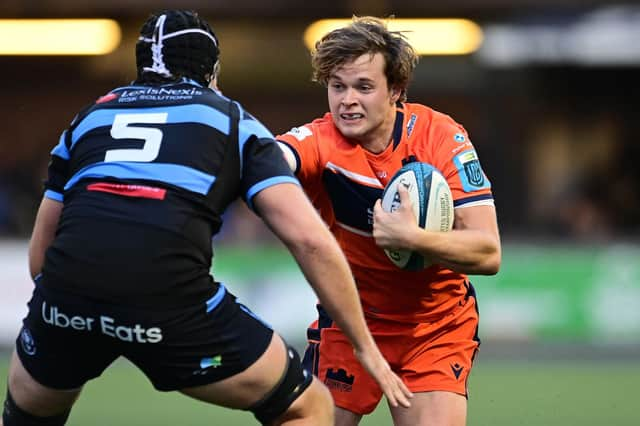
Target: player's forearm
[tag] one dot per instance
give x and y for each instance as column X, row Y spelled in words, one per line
column 330, row 277
column 290, row 215
column 467, row 251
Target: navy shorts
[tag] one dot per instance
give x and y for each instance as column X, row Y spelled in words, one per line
column 67, row 340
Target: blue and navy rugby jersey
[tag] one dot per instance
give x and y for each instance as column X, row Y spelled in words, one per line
column 137, row 174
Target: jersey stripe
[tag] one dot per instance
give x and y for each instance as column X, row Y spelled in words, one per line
column 196, row 113
column 355, row 230
column 267, row 183
column 352, row 201
column 174, row 174
column 215, row 300
column 248, row 127
column 366, row 180
column 483, row 199
column 476, row 203
column 53, row 195
column 61, row 149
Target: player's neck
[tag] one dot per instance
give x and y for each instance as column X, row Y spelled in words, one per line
column 376, row 145
column 379, row 138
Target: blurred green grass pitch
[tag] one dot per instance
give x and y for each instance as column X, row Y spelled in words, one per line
column 501, row 394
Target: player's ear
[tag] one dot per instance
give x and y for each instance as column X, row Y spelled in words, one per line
column 395, row 94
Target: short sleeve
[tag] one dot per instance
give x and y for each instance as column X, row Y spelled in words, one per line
column 58, row 170
column 458, row 161
column 263, row 164
column 304, row 146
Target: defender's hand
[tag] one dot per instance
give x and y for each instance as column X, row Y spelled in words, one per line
column 392, row 386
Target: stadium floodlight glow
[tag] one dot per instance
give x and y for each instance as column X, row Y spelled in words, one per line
column 58, row 36
column 453, row 36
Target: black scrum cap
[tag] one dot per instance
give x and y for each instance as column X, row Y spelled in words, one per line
column 174, row 44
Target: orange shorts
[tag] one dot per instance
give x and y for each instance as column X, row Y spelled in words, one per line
column 428, row 356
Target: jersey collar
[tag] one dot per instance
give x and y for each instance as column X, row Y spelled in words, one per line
column 398, row 126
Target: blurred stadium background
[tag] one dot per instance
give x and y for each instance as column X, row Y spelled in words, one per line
column 550, row 99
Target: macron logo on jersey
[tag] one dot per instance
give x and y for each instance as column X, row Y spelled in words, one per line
column 300, row 133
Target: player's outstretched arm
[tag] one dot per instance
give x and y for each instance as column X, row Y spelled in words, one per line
column 472, row 247
column 44, row 231
column 288, row 212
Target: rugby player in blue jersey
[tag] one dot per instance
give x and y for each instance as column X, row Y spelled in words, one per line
column 121, row 249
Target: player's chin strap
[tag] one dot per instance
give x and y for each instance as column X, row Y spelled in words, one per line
column 13, row 415
column 157, row 40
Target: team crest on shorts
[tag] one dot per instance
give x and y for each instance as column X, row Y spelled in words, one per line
column 27, row 342
column 339, row 380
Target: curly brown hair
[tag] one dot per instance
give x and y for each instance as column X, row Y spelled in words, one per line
column 366, row 34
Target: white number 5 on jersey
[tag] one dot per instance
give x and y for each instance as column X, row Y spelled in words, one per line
column 151, row 137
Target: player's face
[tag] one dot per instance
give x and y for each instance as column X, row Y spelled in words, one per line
column 361, row 101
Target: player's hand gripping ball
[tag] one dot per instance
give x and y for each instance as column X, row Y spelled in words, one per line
column 432, row 205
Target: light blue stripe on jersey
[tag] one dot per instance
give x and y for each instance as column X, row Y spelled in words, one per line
column 267, row 183
column 250, row 127
column 217, row 298
column 241, row 140
column 61, row 149
column 196, row 113
column 37, row 278
column 53, row 195
column 181, row 176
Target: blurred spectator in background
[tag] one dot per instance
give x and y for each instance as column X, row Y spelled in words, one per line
column 584, row 184
column 18, row 200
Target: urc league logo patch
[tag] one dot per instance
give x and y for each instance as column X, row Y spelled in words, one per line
column 27, row 342
column 474, row 173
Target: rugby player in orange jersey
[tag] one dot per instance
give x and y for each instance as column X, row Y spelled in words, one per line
column 425, row 322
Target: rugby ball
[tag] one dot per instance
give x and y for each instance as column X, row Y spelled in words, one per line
column 432, row 205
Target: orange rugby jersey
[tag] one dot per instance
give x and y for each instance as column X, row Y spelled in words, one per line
column 344, row 180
